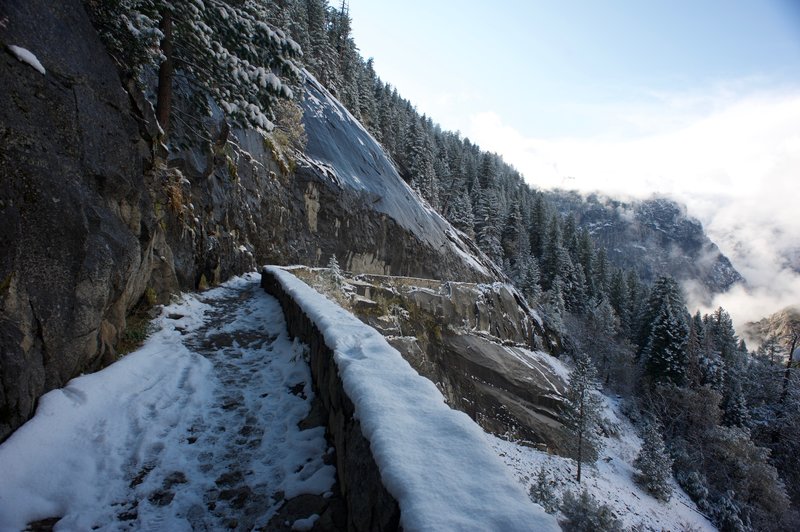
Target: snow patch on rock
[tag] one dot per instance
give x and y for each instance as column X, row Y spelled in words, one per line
column 26, row 56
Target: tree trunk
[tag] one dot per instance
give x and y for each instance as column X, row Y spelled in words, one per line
column 787, row 373
column 776, row 433
column 581, row 428
column 164, row 98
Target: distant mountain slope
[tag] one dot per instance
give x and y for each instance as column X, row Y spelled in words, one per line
column 653, row 237
column 780, row 326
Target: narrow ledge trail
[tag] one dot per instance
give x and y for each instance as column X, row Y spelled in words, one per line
column 208, row 426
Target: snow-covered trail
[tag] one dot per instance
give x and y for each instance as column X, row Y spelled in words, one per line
column 197, row 430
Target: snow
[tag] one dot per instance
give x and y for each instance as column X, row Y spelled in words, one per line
column 433, row 460
column 610, row 480
column 305, row 524
column 209, row 403
column 26, row 56
column 536, row 360
column 457, row 245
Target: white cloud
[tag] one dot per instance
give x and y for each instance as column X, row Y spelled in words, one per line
column 734, row 161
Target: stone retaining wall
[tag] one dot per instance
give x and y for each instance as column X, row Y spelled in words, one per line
column 370, row 507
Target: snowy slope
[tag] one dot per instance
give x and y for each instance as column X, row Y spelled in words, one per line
column 195, row 430
column 610, row 480
column 341, row 151
column 435, row 461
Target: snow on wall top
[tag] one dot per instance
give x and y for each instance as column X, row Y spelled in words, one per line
column 342, row 151
column 435, row 461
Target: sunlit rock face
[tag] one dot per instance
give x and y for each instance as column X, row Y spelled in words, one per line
column 489, row 354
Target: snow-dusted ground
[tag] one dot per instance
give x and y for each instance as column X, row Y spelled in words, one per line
column 610, row 480
column 195, row 430
column 435, row 461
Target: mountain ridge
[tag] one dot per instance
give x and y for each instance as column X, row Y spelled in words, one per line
column 654, row 236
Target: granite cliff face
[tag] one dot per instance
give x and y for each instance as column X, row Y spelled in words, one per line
column 488, row 353
column 97, row 218
column 653, row 237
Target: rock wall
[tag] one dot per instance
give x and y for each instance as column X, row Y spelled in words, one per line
column 488, row 353
column 477, row 343
column 370, row 506
column 76, row 252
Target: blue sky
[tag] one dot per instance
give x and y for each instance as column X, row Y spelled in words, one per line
column 561, row 68
column 698, row 100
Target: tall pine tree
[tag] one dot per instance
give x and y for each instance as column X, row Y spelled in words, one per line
column 583, row 413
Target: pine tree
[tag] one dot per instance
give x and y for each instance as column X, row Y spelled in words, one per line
column 770, row 348
column 486, row 224
column 664, row 333
column 542, row 492
column 528, row 279
column 335, row 272
column 694, row 350
column 538, row 226
column 554, row 305
column 653, row 464
column 583, row 513
column 602, row 272
column 619, row 298
column 734, row 407
column 664, row 292
column 726, row 514
column 583, row 413
column 421, row 162
column 602, row 326
column 712, row 368
column 202, row 41
column 512, row 231
column 664, row 356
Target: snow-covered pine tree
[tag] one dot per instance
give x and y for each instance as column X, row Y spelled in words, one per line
column 460, row 214
column 619, row 298
column 712, row 368
column 542, row 492
column 335, row 272
column 664, row 292
column 487, row 228
column 734, row 406
column 726, row 514
column 664, row 333
column 664, row 357
column 529, row 279
column 554, row 305
column 770, row 348
column 203, row 41
column 584, row 513
column 602, row 325
column 421, row 162
column 582, row 414
column 512, row 231
column 602, row 272
column 653, row 464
